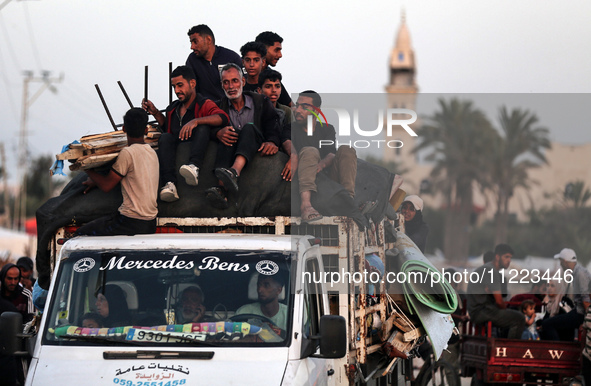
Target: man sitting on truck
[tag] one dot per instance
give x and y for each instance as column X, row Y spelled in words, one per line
column 187, row 119
column 579, row 286
column 268, row 290
column 254, row 128
column 136, row 169
column 317, row 152
column 485, row 299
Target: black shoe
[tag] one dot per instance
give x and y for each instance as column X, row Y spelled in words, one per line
column 216, row 197
column 229, row 177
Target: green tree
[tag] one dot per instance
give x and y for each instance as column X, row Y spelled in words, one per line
column 458, row 138
column 40, row 185
column 520, row 148
column 576, row 195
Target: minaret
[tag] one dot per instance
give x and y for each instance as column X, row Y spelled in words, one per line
column 402, row 64
column 402, row 93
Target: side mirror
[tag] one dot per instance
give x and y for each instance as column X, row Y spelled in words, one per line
column 11, row 329
column 333, row 336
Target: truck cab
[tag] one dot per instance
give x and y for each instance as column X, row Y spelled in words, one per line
column 150, row 343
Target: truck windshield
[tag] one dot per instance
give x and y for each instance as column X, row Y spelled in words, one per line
column 168, row 298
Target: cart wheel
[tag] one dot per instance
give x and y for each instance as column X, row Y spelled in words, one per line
column 477, row 381
column 441, row 373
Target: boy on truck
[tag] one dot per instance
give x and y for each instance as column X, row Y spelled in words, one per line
column 136, row 169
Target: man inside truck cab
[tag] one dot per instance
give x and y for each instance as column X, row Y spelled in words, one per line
column 187, row 119
column 268, row 290
column 485, row 297
column 136, row 168
column 318, row 152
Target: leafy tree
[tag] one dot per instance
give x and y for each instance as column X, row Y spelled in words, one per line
column 520, row 148
column 458, row 138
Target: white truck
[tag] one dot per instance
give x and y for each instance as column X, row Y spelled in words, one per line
column 333, row 332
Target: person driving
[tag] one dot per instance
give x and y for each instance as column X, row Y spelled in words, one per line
column 268, row 305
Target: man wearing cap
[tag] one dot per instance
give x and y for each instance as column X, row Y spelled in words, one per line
column 580, row 290
column 485, row 298
column 415, row 227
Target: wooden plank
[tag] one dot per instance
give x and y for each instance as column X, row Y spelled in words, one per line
column 93, row 137
column 70, row 154
column 93, row 161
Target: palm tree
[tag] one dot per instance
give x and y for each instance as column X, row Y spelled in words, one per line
column 458, row 139
column 520, row 148
column 576, row 194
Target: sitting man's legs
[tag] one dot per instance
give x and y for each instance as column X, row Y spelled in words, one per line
column 249, row 141
column 344, row 168
column 511, row 319
column 308, row 160
column 167, row 144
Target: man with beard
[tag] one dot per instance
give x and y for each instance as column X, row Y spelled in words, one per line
column 207, row 59
column 254, row 128
column 191, row 309
column 274, row 52
column 485, row 297
column 317, row 152
column 187, row 119
column 14, row 293
column 268, row 290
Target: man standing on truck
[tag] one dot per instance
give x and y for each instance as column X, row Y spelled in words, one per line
column 268, row 290
column 187, row 119
column 254, row 128
column 580, row 290
column 485, row 298
column 317, row 152
column 207, row 59
column 136, row 168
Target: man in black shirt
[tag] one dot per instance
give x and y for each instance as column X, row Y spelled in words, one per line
column 317, row 152
column 207, row 60
column 273, row 42
column 187, row 119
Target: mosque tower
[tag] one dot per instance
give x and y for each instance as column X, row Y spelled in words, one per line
column 402, row 94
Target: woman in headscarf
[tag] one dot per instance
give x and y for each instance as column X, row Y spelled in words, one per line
column 112, row 306
column 415, row 227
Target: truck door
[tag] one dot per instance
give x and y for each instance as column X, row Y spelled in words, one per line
column 319, row 371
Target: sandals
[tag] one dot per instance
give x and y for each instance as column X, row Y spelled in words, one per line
column 309, row 214
column 216, row 197
column 229, row 178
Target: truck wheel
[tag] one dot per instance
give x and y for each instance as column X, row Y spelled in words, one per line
column 441, row 373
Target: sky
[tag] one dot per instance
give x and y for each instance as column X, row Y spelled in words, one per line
column 461, row 47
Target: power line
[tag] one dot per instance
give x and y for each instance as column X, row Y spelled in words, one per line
column 32, row 36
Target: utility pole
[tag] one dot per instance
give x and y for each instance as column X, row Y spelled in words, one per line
column 20, row 204
column 6, row 221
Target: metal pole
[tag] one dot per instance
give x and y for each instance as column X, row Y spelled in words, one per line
column 125, row 94
column 98, row 90
column 169, row 86
column 146, row 83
